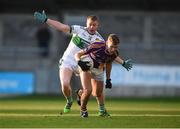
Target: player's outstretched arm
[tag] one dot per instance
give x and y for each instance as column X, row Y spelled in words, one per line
column 42, row 18
column 58, row 25
column 127, row 64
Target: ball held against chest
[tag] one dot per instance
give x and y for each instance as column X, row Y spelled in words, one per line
column 88, row 59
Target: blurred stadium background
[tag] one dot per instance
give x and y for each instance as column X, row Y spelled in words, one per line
column 149, row 31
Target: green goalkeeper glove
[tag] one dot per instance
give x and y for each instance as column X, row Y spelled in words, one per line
column 41, row 17
column 127, row 64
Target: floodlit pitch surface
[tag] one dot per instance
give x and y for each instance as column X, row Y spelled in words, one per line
column 46, row 112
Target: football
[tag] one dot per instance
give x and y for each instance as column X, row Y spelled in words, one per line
column 87, row 58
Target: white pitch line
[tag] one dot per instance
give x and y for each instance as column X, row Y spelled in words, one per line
column 64, row 115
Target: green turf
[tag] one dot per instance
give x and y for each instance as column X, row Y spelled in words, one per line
column 45, row 112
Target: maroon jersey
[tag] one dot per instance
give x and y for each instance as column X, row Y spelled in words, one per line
column 97, row 51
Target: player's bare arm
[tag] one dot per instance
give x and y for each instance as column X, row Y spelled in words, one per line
column 85, row 66
column 119, row 60
column 42, row 17
column 58, row 25
column 79, row 54
column 108, row 70
column 108, row 75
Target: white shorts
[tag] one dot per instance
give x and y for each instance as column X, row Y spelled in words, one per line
column 70, row 63
column 97, row 74
column 68, row 59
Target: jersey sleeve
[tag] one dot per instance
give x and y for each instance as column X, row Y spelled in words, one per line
column 93, row 47
column 74, row 29
column 113, row 57
column 99, row 38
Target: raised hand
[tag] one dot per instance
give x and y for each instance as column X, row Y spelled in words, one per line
column 41, row 17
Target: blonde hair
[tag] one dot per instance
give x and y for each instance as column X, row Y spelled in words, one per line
column 93, row 18
column 114, row 39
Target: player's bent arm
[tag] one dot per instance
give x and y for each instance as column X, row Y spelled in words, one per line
column 58, row 25
column 119, row 60
column 108, row 83
column 79, row 54
column 108, row 70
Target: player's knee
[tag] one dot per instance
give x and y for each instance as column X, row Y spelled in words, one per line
column 96, row 94
column 93, row 94
column 87, row 91
column 65, row 83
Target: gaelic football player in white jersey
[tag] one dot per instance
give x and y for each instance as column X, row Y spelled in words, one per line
column 82, row 37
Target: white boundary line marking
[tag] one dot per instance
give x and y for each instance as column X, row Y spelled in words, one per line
column 66, row 115
column 91, row 128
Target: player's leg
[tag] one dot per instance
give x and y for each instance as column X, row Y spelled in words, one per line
column 86, row 91
column 65, row 78
column 78, row 96
column 97, row 91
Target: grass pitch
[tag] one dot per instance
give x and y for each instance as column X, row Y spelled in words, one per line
column 47, row 112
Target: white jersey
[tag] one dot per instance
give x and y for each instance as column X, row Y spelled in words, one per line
column 81, row 38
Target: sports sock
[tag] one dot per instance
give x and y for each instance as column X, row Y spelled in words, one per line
column 80, row 92
column 101, row 107
column 69, row 99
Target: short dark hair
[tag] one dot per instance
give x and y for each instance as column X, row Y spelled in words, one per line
column 93, row 18
column 114, row 38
